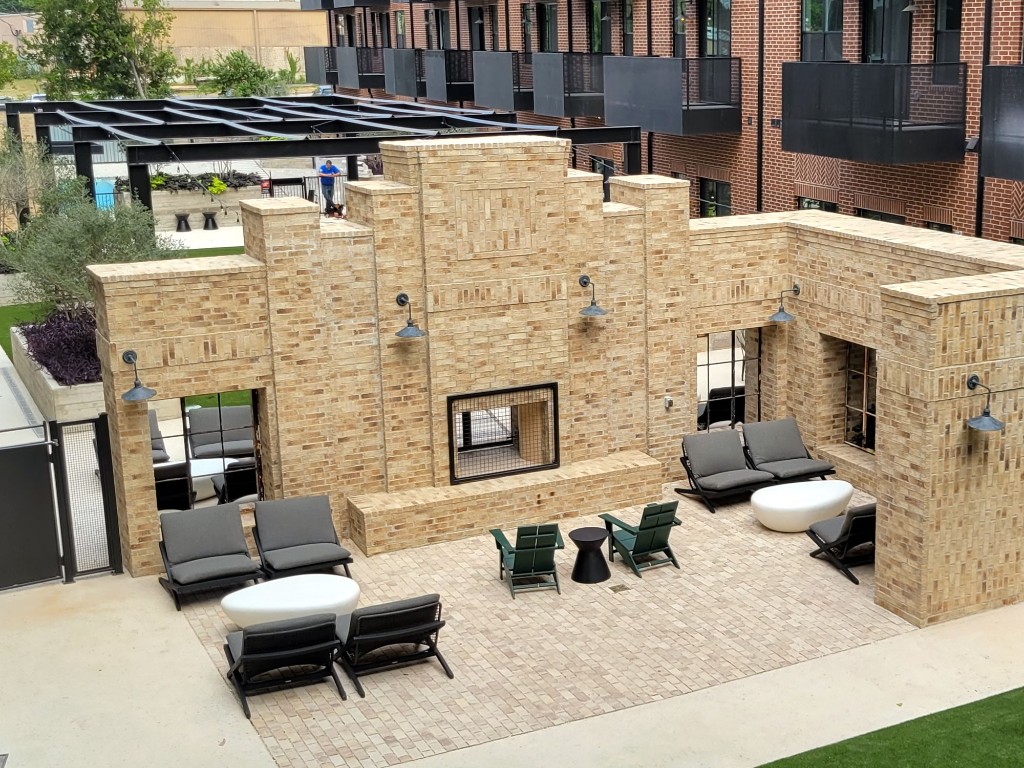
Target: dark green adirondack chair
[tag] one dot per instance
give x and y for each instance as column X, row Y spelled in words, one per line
column 531, row 563
column 639, row 544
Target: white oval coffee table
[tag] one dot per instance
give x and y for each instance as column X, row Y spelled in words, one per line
column 291, row 597
column 795, row 507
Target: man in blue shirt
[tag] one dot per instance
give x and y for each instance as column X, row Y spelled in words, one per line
column 327, row 174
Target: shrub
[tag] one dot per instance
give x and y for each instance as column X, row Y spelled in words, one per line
column 185, row 182
column 65, row 345
column 216, row 186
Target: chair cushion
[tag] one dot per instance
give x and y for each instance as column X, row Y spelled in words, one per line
column 734, row 480
column 714, row 452
column 207, row 568
column 228, row 448
column 390, row 617
column 770, row 441
column 796, row 468
column 829, row 530
column 234, row 641
column 160, row 456
column 292, row 522
column 194, row 534
column 304, row 555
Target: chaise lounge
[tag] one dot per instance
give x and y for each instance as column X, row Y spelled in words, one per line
column 717, row 468
column 776, row 447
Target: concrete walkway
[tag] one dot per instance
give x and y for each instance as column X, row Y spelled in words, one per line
column 19, row 417
column 105, row 672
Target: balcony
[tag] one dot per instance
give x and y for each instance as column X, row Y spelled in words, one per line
column 403, row 72
column 503, row 79
column 321, row 65
column 360, row 67
column 569, row 84
column 1002, row 122
column 449, row 75
column 680, row 97
column 887, row 114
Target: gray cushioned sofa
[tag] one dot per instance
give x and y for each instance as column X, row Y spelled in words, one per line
column 225, row 432
column 717, row 467
column 297, row 535
column 776, row 447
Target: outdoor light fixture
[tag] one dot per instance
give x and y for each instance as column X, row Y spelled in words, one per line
column 782, row 316
column 137, row 393
column 593, row 310
column 986, row 422
column 910, row 7
column 411, row 331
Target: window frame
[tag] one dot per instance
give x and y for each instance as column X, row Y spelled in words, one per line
column 703, row 369
column 864, row 417
column 822, row 205
column 709, row 194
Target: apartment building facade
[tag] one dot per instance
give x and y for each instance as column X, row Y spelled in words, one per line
column 901, row 110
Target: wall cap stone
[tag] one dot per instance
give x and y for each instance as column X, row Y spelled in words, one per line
column 646, row 181
column 174, row 268
column 950, row 290
column 279, row 206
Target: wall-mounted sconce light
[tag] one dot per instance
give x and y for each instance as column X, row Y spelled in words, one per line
column 593, row 310
column 986, row 422
column 478, row 21
column 606, row 17
column 910, row 7
column 782, row 316
column 137, row 393
column 411, row 331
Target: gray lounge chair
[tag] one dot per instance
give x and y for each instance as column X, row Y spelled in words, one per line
column 238, row 483
column 408, row 629
column 215, row 433
column 297, row 536
column 530, row 564
column 173, row 488
column 847, row 540
column 204, row 549
column 717, row 468
column 282, row 654
column 156, row 440
column 776, row 447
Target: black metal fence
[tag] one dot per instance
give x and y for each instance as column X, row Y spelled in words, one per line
column 583, row 74
column 1002, row 122
column 877, row 113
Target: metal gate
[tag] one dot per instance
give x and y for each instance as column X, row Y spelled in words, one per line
column 58, row 514
column 295, row 187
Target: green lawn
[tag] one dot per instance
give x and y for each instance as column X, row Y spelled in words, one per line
column 244, row 397
column 193, row 252
column 15, row 315
column 985, row 734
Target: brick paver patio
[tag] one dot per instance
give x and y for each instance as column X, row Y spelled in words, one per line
column 746, row 600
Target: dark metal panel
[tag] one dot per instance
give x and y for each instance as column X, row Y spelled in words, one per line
column 315, row 5
column 400, row 72
column 28, row 544
column 492, row 79
column 1002, row 122
column 315, row 69
column 436, row 74
column 549, row 84
column 348, row 67
column 656, row 105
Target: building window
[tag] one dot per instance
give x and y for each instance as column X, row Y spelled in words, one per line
column 715, row 27
column 728, row 378
column 938, row 227
column 947, row 31
column 400, row 28
column 527, row 23
column 30, row 25
column 822, row 30
column 477, row 34
column 861, row 386
column 627, row 27
column 715, row 198
column 380, row 30
column 892, row 218
column 547, row 20
column 599, row 28
column 492, row 12
column 679, row 29
column 810, row 204
column 502, row 432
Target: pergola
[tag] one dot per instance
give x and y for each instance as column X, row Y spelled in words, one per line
column 197, row 130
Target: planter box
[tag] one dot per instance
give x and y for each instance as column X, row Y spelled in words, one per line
column 57, row 402
column 166, row 204
column 7, row 290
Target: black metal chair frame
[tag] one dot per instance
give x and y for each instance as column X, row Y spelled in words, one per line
column 176, row 590
column 707, row 496
column 292, row 679
column 355, row 666
column 345, row 562
column 836, row 552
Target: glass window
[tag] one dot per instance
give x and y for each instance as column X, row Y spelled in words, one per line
column 627, row 28
column 892, row 218
column 600, row 27
column 547, row 19
column 715, row 198
column 716, row 27
column 822, row 30
column 477, row 35
column 679, row 29
column 938, row 227
column 861, row 386
column 400, row 28
column 810, row 204
column 728, row 378
column 947, row 30
column 495, row 28
column 527, row 24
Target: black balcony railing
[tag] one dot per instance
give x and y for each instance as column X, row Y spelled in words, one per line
column 449, row 75
column 681, row 97
column 327, row 5
column 321, row 65
column 503, row 79
column 1002, row 122
column 569, row 84
column 360, row 67
column 404, row 74
column 890, row 114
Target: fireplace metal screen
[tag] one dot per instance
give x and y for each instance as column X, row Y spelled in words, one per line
column 502, row 432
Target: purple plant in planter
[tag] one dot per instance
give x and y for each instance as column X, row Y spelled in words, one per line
column 65, row 345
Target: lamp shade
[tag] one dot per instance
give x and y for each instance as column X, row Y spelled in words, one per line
column 985, row 423
column 782, row 316
column 411, row 331
column 138, row 393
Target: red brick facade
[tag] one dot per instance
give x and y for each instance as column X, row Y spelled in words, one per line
column 940, row 193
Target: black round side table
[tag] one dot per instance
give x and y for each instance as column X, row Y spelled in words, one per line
column 590, row 566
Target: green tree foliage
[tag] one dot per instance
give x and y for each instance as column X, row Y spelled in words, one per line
column 91, row 49
column 25, row 172
column 69, row 233
column 8, row 64
column 236, row 74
